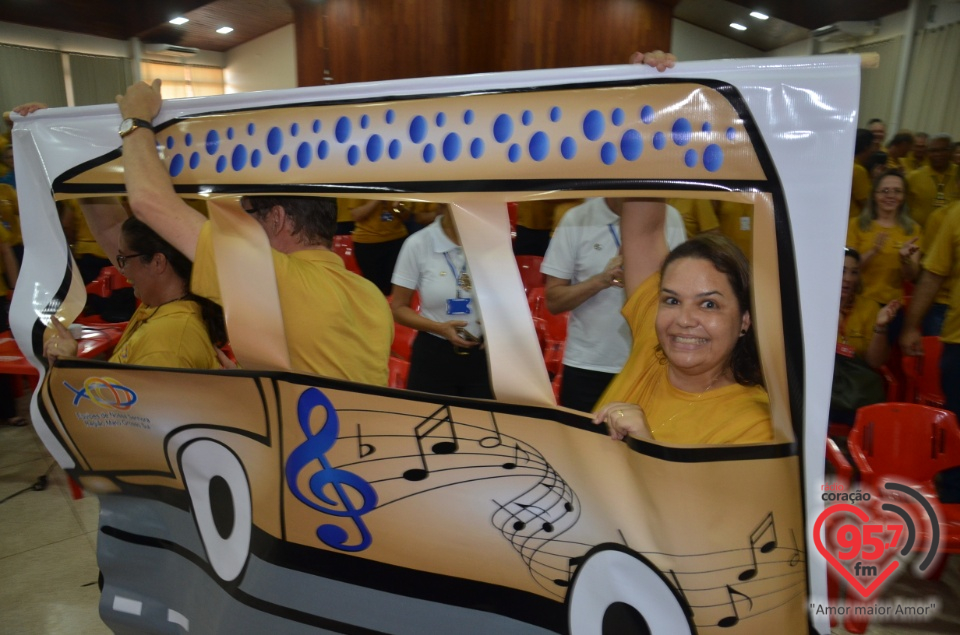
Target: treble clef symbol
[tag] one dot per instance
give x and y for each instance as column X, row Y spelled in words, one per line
column 341, row 504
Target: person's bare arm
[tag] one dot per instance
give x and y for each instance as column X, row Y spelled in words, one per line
column 149, row 188
column 105, row 216
column 365, row 211
column 924, row 292
column 562, row 296
column 879, row 348
column 11, row 268
column 644, row 249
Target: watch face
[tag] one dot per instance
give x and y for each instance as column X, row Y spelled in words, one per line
column 126, row 126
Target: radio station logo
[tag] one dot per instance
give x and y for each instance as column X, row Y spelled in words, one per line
column 868, row 540
column 106, row 392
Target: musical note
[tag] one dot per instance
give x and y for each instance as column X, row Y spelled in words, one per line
column 511, row 465
column 496, row 438
column 440, row 447
column 795, row 558
column 315, row 448
column 766, row 525
column 571, row 563
column 733, row 620
column 364, row 449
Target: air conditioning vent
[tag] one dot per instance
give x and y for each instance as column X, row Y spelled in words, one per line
column 170, row 50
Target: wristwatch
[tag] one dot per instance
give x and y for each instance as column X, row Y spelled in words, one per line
column 132, row 123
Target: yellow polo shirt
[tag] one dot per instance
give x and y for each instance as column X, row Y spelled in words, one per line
column 944, row 260
column 337, row 323
column 698, row 215
column 930, row 190
column 171, row 335
column 882, row 276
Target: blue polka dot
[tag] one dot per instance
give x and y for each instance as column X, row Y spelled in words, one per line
column 593, row 125
column 617, row 116
column 255, row 158
column 502, row 128
column 690, row 158
column 213, row 142
column 682, row 131
column 353, row 155
column 659, row 140
column 169, row 143
column 316, row 126
column 251, row 129
column 539, row 146
column 646, row 114
column 194, row 160
column 631, row 145
column 188, row 139
column 526, row 117
column 221, row 163
column 395, row 148
column 429, row 153
column 476, row 148
column 555, row 114
column 706, row 127
column 514, row 153
column 712, row 157
column 294, row 129
column 608, row 153
column 374, row 147
column 731, row 133
column 418, row 129
column 239, row 159
column 304, row 154
column 568, row 148
column 452, row 146
column 230, row 133
column 274, row 140
column 176, row 165
column 390, row 115
column 468, row 116
column 441, row 119
column 284, row 163
column 364, row 121
column 342, row 130
column 323, row 149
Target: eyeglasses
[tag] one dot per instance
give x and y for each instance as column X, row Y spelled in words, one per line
column 258, row 210
column 122, row 260
column 890, row 190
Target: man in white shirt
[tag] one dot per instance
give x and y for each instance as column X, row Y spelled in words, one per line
column 584, row 276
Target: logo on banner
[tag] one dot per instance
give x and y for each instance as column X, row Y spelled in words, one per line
column 106, row 392
column 867, row 540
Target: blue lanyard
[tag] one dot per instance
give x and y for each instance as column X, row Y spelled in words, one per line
column 613, row 233
column 453, row 270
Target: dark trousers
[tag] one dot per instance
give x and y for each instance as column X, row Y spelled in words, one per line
column 531, row 242
column 581, row 389
column 376, row 261
column 950, row 384
column 436, row 367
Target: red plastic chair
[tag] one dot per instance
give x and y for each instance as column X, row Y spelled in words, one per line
column 537, row 299
column 910, row 442
column 343, row 247
column 530, row 272
column 844, row 475
column 923, row 374
column 399, row 371
column 402, row 341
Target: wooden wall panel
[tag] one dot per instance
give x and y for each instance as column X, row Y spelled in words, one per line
column 368, row 40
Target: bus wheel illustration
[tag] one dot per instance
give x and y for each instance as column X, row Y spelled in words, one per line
column 220, row 497
column 618, row 592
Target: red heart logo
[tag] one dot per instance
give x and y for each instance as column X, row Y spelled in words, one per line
column 864, row 591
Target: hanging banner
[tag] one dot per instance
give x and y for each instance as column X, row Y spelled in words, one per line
column 261, row 500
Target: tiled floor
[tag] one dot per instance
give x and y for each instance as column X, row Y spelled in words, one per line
column 48, row 568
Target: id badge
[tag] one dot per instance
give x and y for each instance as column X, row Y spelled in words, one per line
column 386, row 217
column 744, row 223
column 458, row 306
column 846, row 350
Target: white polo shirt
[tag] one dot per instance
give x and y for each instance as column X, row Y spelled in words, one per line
column 588, row 236
column 431, row 263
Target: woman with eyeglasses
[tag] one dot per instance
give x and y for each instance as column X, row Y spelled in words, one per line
column 171, row 328
column 887, row 239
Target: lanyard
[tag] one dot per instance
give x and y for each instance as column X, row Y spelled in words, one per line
column 613, row 233
column 457, row 277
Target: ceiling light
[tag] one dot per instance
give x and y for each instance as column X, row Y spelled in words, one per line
column 758, row 15
column 224, row 30
column 179, row 21
column 737, row 26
